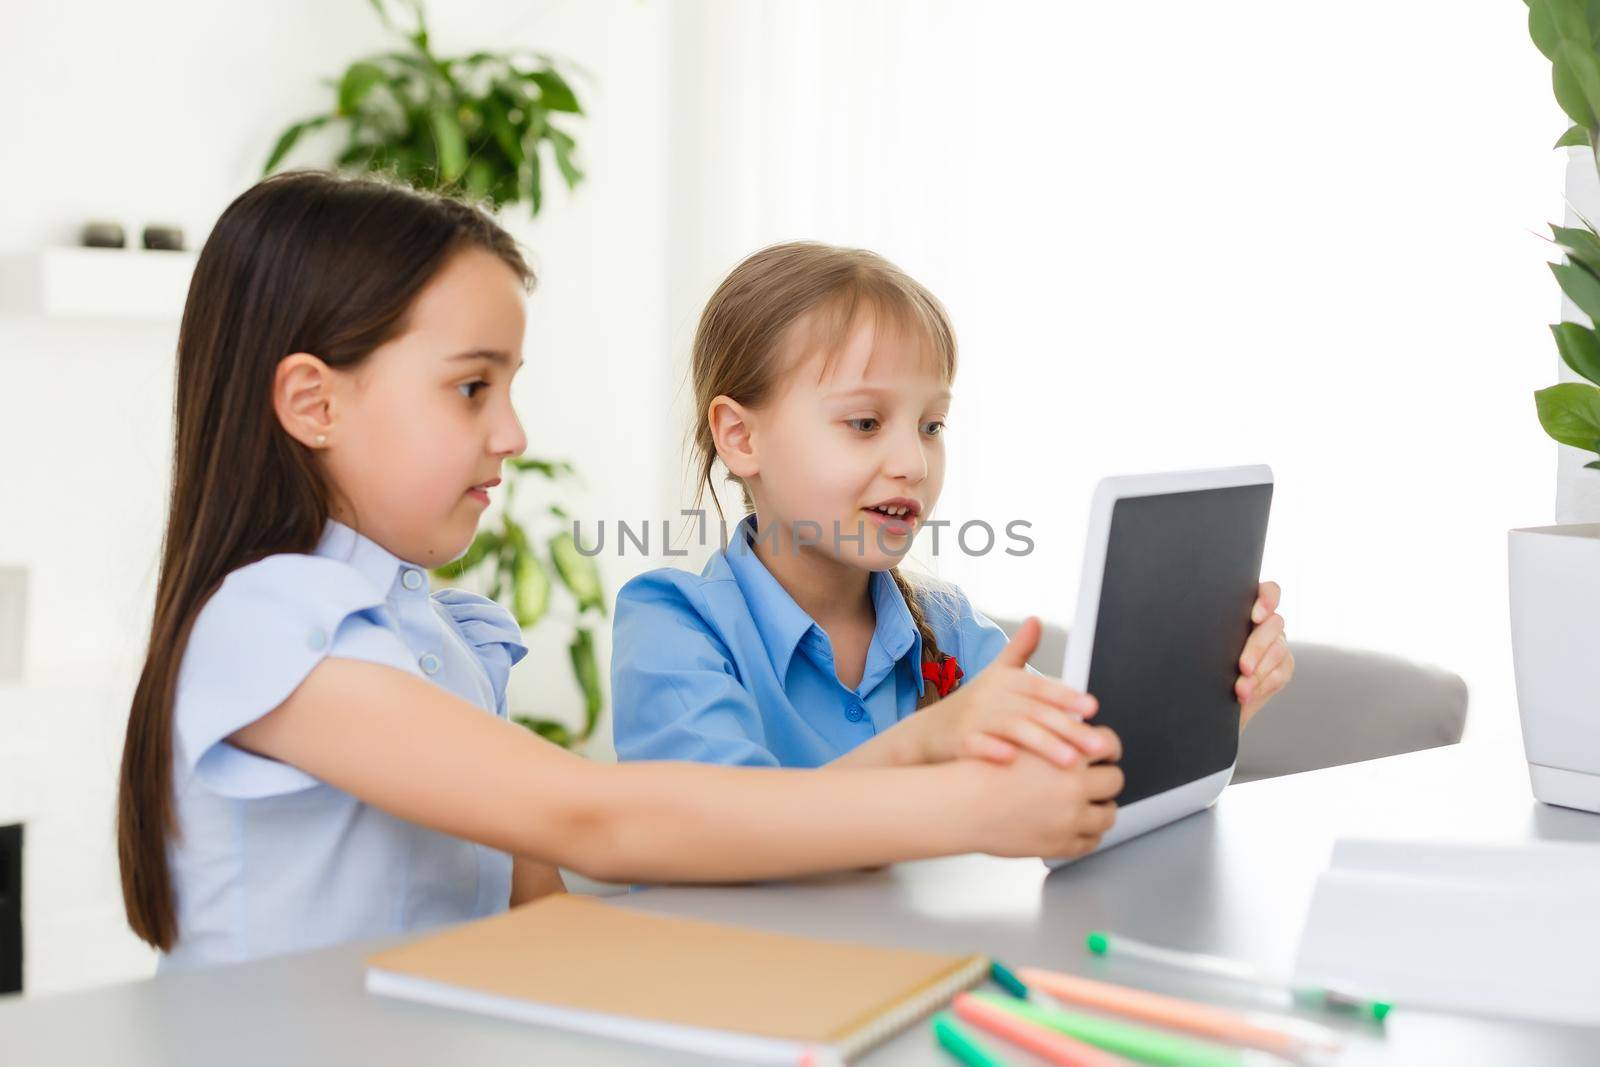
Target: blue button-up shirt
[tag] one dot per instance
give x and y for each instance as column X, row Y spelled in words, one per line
column 269, row 859
column 724, row 667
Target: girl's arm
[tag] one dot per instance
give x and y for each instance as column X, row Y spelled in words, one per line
column 425, row 755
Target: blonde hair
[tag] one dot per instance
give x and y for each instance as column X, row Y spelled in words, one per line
column 741, row 341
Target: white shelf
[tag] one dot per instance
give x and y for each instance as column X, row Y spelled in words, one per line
column 96, row 283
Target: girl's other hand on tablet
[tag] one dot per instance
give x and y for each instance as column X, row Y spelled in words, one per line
column 1032, row 808
column 1007, row 709
column 1266, row 664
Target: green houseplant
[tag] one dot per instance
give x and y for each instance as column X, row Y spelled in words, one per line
column 1554, row 571
column 1567, row 32
column 514, row 560
column 476, row 125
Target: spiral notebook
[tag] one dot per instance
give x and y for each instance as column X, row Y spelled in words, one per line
column 583, row 964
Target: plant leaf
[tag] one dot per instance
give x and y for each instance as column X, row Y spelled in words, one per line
column 1569, row 21
column 479, row 179
column 1575, row 137
column 1575, row 76
column 1580, row 349
column 549, row 729
column 500, row 126
column 1581, row 286
column 588, row 674
column 533, row 179
column 287, row 139
column 577, row 572
column 448, row 142
column 530, row 593
column 357, row 83
column 482, row 546
column 554, row 92
column 1580, row 244
column 1570, row 413
column 563, row 146
column 550, row 468
column 383, row 13
column 1540, row 28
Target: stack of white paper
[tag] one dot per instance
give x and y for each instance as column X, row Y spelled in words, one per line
column 1507, row 930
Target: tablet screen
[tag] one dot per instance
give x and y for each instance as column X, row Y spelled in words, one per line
column 1181, row 574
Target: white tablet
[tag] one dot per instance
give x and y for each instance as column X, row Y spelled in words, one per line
column 1170, row 572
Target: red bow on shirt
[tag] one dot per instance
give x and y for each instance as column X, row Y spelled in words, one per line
column 943, row 674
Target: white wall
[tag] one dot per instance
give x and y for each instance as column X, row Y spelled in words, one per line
column 165, row 111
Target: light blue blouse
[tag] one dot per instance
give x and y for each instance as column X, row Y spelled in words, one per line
column 724, row 667
column 268, row 859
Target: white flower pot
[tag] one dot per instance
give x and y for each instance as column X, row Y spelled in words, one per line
column 1555, row 649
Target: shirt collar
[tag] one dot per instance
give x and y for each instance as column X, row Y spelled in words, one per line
column 779, row 620
column 782, row 623
column 376, row 564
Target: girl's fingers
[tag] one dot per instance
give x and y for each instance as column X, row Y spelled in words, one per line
column 1030, row 735
column 1273, row 683
column 1070, row 729
column 1097, row 818
column 1278, row 657
column 1103, row 781
column 1110, row 743
column 1254, row 692
column 988, row 747
column 1268, row 596
column 1057, row 694
column 1260, row 639
column 1275, row 654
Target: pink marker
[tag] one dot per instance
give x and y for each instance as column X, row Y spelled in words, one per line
column 1052, row 1045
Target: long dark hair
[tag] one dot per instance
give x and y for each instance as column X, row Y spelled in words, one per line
column 302, row 262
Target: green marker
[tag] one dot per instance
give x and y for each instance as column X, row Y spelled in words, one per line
column 1125, row 1039
column 961, row 1044
column 1002, row 976
column 1326, row 998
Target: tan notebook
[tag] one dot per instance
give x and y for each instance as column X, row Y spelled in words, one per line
column 583, row 964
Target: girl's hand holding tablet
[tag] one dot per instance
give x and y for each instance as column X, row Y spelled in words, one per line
column 1006, row 709
column 1048, row 811
column 1267, row 663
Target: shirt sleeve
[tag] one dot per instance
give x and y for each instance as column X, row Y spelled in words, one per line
column 252, row 644
column 493, row 633
column 675, row 689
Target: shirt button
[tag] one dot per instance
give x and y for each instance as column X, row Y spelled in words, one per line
column 429, row 663
column 411, row 579
column 855, row 713
column 316, row 640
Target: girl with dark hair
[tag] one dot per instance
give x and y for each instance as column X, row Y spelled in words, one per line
column 317, row 747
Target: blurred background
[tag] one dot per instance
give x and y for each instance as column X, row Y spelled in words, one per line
column 1170, row 235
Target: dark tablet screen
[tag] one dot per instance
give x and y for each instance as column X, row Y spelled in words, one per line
column 1180, row 577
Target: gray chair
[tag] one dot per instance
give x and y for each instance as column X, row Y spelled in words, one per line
column 1343, row 706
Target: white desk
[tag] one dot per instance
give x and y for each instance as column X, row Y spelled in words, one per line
column 1235, row 880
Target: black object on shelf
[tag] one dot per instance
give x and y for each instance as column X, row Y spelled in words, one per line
column 104, row 235
column 164, row 238
column 11, row 909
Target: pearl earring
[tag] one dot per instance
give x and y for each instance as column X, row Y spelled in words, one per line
column 322, row 439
